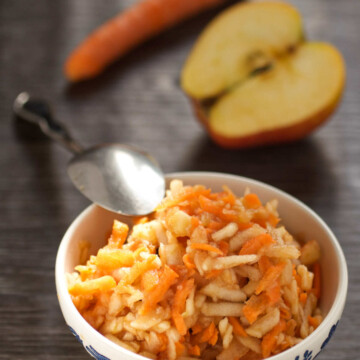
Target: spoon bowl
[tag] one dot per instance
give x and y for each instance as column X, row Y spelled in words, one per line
column 117, row 177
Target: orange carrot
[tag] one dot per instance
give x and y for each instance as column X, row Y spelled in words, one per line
column 126, row 30
column 213, row 273
column 285, row 313
column 209, row 205
column 139, row 268
column 251, row 201
column 269, row 340
column 195, row 222
column 264, row 263
column 163, row 340
column 273, row 220
column 188, row 194
column 188, row 262
column 214, row 338
column 119, row 234
column 206, row 247
column 262, row 219
column 303, row 298
column 140, row 220
column 273, row 293
column 255, row 306
column 214, row 225
column 253, row 245
column 238, row 329
column 196, row 329
column 157, row 293
column 207, row 334
column 229, row 197
column 270, row 277
column 224, row 247
column 179, row 348
column 317, row 280
column 182, row 292
column 149, row 280
column 194, row 350
column 313, row 321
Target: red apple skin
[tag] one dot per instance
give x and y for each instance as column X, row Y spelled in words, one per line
column 272, row 137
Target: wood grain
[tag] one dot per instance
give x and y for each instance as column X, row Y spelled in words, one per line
column 138, row 101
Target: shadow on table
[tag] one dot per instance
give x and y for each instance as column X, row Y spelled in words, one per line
column 47, row 180
column 300, row 168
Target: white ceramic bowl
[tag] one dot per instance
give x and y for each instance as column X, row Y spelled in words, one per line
column 94, row 224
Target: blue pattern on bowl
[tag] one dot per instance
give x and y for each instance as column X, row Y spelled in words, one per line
column 89, row 348
column 308, row 354
column 331, row 333
column 95, row 354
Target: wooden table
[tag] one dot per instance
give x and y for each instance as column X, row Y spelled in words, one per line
column 138, row 101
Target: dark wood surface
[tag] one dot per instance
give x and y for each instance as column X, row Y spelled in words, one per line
column 138, row 101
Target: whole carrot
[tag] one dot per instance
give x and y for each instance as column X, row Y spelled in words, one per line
column 127, row 30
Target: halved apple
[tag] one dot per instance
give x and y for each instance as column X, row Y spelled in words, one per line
column 253, row 79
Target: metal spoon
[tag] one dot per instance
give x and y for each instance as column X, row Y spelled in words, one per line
column 119, row 178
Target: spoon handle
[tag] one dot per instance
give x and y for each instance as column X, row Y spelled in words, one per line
column 38, row 112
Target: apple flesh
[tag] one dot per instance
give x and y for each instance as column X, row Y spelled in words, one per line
column 253, row 80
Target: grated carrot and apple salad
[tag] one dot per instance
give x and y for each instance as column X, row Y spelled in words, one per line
column 207, row 276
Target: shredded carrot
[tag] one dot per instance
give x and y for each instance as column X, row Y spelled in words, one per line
column 119, row 234
column 269, row 340
column 149, row 280
column 251, row 201
column 214, row 338
column 188, row 194
column 317, row 280
column 182, row 292
column 209, row 205
column 215, row 225
column 196, row 329
column 207, row 333
column 238, row 328
column 273, row 293
column 303, row 298
column 212, row 273
column 228, row 197
column 263, row 219
column 138, row 251
column 253, row 245
column 140, row 220
column 270, row 277
column 285, row 313
column 179, row 348
column 194, row 350
column 188, row 261
column 264, row 263
column 138, row 269
column 195, row 222
column 224, row 247
column 313, row 321
column 273, row 220
column 163, row 340
column 156, row 294
column 206, row 247
column 255, row 306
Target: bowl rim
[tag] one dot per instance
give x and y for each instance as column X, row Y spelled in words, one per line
column 327, row 323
